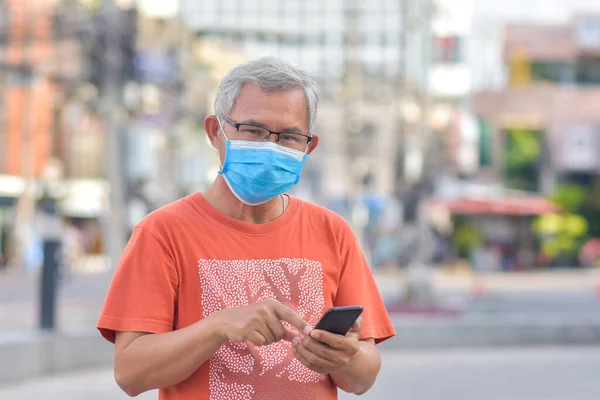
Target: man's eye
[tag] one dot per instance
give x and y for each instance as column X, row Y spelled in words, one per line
column 289, row 137
column 252, row 131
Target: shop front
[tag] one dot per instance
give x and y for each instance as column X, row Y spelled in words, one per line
column 493, row 234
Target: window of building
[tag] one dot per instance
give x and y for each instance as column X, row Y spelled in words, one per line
column 393, row 23
column 268, row 19
column 588, row 70
column 372, row 20
column 373, row 61
column 229, row 6
column 311, row 5
column 281, row 11
column 313, row 20
column 372, row 39
column 268, row 5
column 548, row 71
column 587, row 32
column 230, row 13
column 392, row 5
column 335, row 6
column 392, row 61
column 248, row 5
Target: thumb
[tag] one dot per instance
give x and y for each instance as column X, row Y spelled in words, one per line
column 357, row 327
column 290, row 334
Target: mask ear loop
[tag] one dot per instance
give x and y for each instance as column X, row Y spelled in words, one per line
column 307, row 145
column 222, row 131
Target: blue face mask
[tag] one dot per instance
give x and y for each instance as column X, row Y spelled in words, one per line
column 257, row 172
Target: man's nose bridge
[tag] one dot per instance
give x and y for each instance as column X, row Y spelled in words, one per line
column 272, row 137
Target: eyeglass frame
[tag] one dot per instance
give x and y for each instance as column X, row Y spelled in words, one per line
column 309, row 137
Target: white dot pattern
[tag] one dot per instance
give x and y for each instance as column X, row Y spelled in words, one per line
column 244, row 371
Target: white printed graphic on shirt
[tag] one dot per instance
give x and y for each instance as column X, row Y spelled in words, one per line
column 240, row 371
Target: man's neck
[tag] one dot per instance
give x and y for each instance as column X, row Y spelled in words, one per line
column 220, row 196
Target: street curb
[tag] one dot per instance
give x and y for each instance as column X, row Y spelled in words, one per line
column 25, row 355
column 28, row 354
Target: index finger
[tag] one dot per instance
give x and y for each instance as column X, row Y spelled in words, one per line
column 288, row 315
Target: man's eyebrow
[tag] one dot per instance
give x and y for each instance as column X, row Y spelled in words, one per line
column 261, row 125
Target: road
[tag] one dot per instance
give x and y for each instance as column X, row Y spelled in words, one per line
column 507, row 374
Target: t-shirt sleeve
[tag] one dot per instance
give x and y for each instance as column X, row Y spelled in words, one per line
column 357, row 287
column 143, row 293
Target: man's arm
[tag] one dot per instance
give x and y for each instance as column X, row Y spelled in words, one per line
column 359, row 375
column 151, row 361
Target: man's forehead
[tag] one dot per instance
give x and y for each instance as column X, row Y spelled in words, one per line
column 260, row 107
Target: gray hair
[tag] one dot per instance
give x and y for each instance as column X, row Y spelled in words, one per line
column 271, row 74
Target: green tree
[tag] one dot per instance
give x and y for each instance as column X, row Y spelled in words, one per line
column 466, row 238
column 522, row 149
column 562, row 235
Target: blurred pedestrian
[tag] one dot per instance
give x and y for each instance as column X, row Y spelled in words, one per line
column 72, row 250
column 216, row 294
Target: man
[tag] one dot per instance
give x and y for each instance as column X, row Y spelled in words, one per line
column 216, row 294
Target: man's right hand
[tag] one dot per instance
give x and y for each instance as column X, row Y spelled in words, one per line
column 261, row 323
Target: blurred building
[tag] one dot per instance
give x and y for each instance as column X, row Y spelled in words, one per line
column 532, row 134
column 378, row 47
column 553, row 92
column 449, row 83
column 27, row 67
column 167, row 98
column 486, row 43
column 26, row 58
column 309, row 33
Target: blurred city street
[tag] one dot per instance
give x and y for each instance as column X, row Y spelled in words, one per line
column 459, row 139
column 501, row 374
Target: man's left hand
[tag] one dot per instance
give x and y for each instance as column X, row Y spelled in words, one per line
column 325, row 352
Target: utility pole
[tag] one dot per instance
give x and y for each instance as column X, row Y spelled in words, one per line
column 419, row 287
column 401, row 88
column 353, row 118
column 4, row 24
column 115, row 226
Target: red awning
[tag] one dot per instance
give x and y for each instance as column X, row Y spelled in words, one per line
column 533, row 205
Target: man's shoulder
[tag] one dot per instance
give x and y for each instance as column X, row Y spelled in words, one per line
column 168, row 215
column 322, row 215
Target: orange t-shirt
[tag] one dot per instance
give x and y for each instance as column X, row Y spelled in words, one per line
column 187, row 260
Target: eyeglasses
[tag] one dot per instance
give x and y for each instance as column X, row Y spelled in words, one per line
column 253, row 133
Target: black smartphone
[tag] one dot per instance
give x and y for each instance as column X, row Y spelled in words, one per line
column 339, row 320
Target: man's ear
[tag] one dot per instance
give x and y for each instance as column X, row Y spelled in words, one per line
column 313, row 143
column 213, row 130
